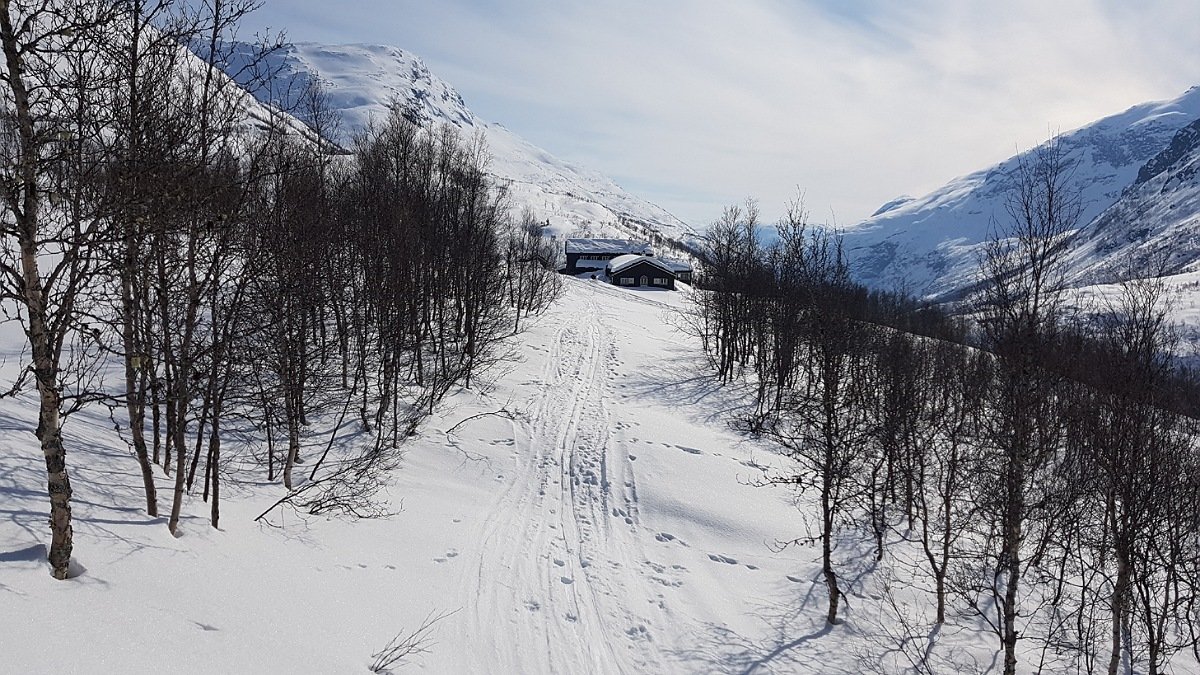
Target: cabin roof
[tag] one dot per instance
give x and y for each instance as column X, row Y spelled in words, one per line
column 676, row 266
column 606, row 246
column 622, row 263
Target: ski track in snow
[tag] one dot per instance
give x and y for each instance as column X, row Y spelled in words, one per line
column 563, row 533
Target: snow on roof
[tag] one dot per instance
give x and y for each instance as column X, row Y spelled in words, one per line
column 676, row 265
column 606, row 246
column 591, row 264
column 626, row 261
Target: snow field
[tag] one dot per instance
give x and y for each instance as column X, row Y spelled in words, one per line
column 588, row 510
column 535, row 529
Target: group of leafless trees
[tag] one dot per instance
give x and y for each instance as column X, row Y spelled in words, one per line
column 1042, row 465
column 221, row 277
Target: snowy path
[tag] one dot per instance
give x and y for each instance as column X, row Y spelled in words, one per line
column 608, row 527
column 562, row 533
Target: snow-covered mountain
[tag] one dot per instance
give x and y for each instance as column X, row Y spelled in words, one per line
column 928, row 245
column 363, row 80
column 1155, row 226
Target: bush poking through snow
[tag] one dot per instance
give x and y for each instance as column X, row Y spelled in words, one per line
column 407, row 645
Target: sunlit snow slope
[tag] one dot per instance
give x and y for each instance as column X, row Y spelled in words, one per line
column 590, row 511
column 587, row 509
column 1155, row 227
column 363, row 80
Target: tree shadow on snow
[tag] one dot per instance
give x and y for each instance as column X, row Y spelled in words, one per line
column 794, row 642
column 683, row 381
column 19, row 502
column 33, row 553
column 107, row 497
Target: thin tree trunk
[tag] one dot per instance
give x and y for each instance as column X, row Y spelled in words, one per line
column 58, row 482
column 947, row 534
column 1011, row 569
column 135, row 404
column 1118, row 613
column 204, row 412
column 156, row 417
column 293, row 427
column 169, row 416
column 267, row 418
column 1117, row 607
column 293, row 451
column 49, row 429
column 831, row 581
column 178, row 440
column 212, row 469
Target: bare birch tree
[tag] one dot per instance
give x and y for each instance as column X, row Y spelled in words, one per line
column 50, row 88
column 1020, row 306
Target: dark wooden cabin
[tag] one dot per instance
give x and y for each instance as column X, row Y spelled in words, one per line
column 640, row 271
column 592, row 255
column 682, row 270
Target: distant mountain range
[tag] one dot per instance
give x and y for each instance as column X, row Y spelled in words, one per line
column 1138, row 175
column 362, row 81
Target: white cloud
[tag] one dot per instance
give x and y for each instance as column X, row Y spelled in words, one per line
column 697, row 104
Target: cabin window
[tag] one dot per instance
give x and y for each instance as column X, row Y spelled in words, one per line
column 626, row 281
column 660, row 281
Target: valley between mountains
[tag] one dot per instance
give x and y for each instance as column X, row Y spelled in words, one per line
column 429, row 445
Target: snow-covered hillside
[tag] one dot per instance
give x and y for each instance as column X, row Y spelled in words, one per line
column 1155, row 226
column 588, row 509
column 363, row 80
column 588, row 512
column 928, row 245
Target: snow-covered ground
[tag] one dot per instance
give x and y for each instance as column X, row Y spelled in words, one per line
column 1182, row 301
column 606, row 525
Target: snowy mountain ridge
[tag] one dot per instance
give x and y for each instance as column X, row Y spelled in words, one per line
column 1187, row 140
column 928, row 245
column 1155, row 226
column 362, row 81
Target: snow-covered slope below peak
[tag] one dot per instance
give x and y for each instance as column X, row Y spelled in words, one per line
column 1155, row 226
column 242, row 116
column 363, row 81
column 928, row 245
column 1185, row 142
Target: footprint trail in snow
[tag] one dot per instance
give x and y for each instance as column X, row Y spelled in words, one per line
column 559, row 550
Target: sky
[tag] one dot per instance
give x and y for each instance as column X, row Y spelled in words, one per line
column 698, row 104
